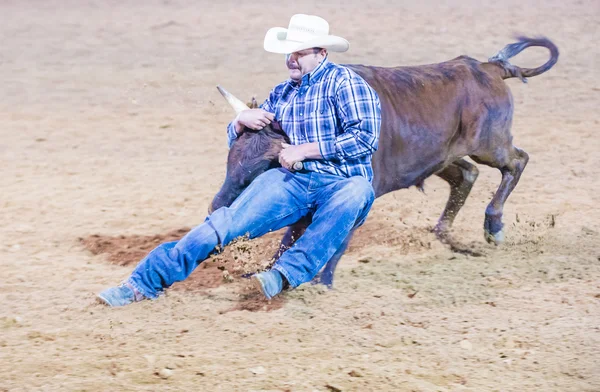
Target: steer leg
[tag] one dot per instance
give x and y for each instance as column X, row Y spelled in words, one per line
column 461, row 176
column 294, row 232
column 511, row 167
column 325, row 277
column 291, row 235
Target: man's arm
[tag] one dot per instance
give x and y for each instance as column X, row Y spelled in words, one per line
column 359, row 111
column 255, row 119
column 252, row 118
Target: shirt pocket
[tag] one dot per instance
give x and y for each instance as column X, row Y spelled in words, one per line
column 322, row 120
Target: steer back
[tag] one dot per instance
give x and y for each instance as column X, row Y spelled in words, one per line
column 430, row 117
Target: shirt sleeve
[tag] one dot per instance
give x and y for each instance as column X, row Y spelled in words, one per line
column 231, row 134
column 268, row 105
column 359, row 112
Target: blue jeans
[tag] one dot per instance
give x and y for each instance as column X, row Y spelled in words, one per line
column 275, row 199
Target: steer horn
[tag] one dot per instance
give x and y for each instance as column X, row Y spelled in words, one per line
column 235, row 103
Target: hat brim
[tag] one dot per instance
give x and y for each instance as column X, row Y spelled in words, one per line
column 275, row 44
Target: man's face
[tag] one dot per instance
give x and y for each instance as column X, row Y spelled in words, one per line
column 304, row 61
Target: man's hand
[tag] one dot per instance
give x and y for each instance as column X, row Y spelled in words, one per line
column 255, row 119
column 292, row 154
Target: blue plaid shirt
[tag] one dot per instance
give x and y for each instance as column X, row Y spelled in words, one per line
column 335, row 108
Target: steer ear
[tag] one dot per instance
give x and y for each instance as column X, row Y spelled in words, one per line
column 253, row 104
column 235, row 103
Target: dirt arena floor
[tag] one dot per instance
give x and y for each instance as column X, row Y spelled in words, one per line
column 113, row 137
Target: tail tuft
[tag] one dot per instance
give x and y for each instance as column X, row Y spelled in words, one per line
column 511, row 50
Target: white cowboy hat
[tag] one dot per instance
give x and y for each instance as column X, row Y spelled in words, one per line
column 304, row 32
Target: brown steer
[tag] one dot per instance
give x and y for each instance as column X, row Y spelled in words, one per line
column 432, row 117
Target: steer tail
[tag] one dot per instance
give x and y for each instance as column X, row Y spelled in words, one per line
column 511, row 50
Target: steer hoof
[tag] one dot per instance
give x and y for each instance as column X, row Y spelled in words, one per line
column 321, row 279
column 493, row 229
column 494, row 238
column 442, row 233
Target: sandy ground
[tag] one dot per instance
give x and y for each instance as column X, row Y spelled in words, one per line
column 111, row 126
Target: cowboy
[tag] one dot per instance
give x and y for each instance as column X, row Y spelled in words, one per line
column 332, row 117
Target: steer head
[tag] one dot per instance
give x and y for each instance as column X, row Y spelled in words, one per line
column 250, row 155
